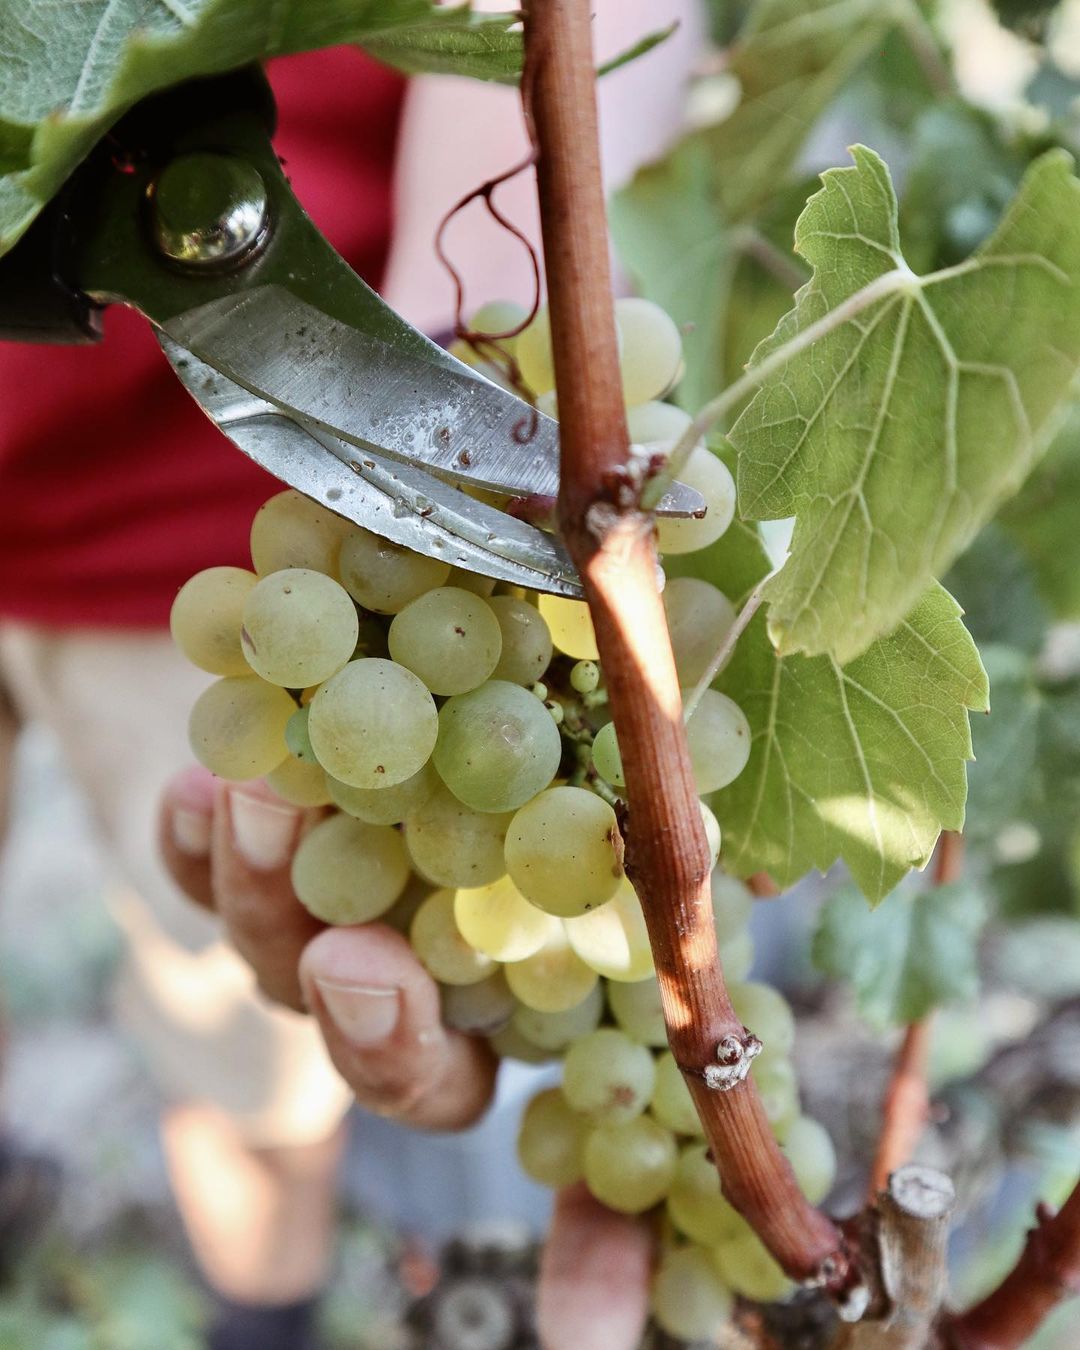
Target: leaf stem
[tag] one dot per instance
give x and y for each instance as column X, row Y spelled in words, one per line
column 612, row 541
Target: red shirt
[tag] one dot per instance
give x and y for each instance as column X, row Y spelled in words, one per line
column 114, row 487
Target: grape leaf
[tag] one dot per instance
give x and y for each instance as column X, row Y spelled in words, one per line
column 68, row 71
column 916, row 951
column 864, row 762
column 894, row 437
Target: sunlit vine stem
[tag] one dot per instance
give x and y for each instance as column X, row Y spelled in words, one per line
column 612, row 542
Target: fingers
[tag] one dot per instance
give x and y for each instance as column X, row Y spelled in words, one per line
column 594, row 1277
column 185, row 823
column 379, row 1012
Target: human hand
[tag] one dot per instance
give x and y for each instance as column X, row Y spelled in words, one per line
column 229, row 847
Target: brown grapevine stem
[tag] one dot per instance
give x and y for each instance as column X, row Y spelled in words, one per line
column 1047, row 1272
column 907, row 1099
column 611, row 540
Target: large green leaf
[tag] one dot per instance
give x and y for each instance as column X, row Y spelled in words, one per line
column 864, row 762
column 913, row 953
column 896, row 435
column 67, row 71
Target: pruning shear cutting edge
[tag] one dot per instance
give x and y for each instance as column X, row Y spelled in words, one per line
column 183, row 212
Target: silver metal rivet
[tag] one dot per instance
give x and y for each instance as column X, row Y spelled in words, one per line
column 209, row 211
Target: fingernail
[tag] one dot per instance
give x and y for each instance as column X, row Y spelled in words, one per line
column 364, row 1014
column 191, row 831
column 263, row 831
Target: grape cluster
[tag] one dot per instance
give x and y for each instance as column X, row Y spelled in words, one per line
column 459, row 729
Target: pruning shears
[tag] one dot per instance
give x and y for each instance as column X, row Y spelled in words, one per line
column 183, row 212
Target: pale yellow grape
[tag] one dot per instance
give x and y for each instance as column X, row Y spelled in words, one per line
column 498, row 746
column 637, row 1009
column 712, row 478
column 499, row 316
column 699, row 617
column 347, row 872
column 650, row 349
column 556, row 1030
column 551, row 1140
column 291, row 530
column 533, row 354
column 732, row 902
column 585, row 677
column 561, row 851
column 812, row 1156
column 438, row 942
column 373, row 724
column 237, row 726
column 400, row 915
column 606, row 758
column 385, row 577
column 473, row 582
column 453, row 845
column 689, row 1299
column 508, row 1043
column 749, row 1270
column 736, row 955
column 613, row 939
column 671, row 1102
column 526, row 641
column 449, row 638
column 298, row 739
column 480, row 1009
column 719, row 738
column 300, row 783
column 499, row 921
column 629, row 1167
column 207, row 616
column 608, row 1077
column 767, row 1013
column 571, row 626
column 657, row 425
column 712, row 832
column 300, row 627
column 554, row 978
column 388, row 805
column 695, row 1203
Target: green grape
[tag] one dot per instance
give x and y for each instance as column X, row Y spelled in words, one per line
column 699, row 617
column 571, row 626
column 689, row 1299
column 299, row 782
column 499, row 316
column 400, row 915
column 388, row 805
column 719, row 738
column 207, row 616
column 526, row 642
column 779, row 1090
column 585, row 677
column 385, row 577
column 712, row 478
column 554, row 978
column 300, row 627
column 533, row 354
column 637, row 1009
column 510, row 1044
column 298, row 738
column 497, row 920
column 732, row 902
column 438, row 942
column 347, row 872
column 608, row 1077
column 291, row 530
column 606, row 757
column 551, row 1140
column 497, row 746
column 657, row 425
column 373, row 724
column 650, row 349
column 473, row 582
column 449, row 638
column 479, row 1009
column 712, row 833
column 768, row 1015
column 555, row 1030
column 671, row 1102
column 812, row 1156
column 629, row 1167
column 695, row 1203
column 560, row 851
column 237, row 726
column 749, row 1270
column 736, row 955
column 613, row 939
column 453, row 845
